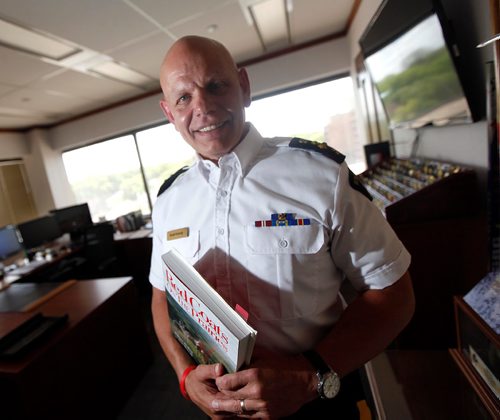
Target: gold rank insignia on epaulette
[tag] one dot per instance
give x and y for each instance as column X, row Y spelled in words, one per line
column 318, row 147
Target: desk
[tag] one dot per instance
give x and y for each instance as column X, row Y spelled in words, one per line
column 88, row 368
column 57, row 268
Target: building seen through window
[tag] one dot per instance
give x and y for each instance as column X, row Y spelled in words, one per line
column 124, row 174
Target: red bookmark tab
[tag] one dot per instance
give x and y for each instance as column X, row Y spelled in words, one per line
column 242, row 312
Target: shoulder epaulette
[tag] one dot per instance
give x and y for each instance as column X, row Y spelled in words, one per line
column 169, row 181
column 356, row 183
column 318, row 147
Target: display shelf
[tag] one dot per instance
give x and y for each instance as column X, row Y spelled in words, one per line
column 435, row 209
column 412, row 190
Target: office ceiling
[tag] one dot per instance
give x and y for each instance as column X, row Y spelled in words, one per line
column 134, row 34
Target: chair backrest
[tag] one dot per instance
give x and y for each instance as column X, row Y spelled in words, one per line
column 99, row 242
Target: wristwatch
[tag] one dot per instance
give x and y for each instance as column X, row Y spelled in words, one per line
column 328, row 380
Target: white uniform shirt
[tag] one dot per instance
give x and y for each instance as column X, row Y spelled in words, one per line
column 286, row 277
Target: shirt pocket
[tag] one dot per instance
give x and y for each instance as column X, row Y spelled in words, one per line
column 282, row 275
column 188, row 247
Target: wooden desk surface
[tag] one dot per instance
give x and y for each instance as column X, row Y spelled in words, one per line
column 78, row 301
column 86, row 369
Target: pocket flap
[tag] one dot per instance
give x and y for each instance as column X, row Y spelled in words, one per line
column 306, row 239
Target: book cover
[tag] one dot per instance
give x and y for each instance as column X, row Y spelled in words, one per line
column 206, row 326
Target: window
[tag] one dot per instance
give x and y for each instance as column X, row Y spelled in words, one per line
column 123, row 174
column 163, row 151
column 322, row 112
column 107, row 176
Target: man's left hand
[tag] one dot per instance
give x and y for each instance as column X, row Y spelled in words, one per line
column 271, row 387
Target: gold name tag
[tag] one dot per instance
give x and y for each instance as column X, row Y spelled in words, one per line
column 177, row 234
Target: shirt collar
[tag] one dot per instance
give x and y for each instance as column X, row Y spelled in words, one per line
column 244, row 153
column 248, row 149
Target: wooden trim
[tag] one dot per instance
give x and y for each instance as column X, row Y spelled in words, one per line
column 488, row 399
column 33, row 305
column 483, row 326
column 377, row 399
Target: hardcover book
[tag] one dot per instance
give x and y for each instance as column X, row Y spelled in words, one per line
column 201, row 320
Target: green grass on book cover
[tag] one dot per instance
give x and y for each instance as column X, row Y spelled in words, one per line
column 205, row 325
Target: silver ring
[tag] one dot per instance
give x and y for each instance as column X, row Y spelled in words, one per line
column 243, row 406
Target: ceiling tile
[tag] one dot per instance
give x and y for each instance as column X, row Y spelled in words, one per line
column 84, row 86
column 145, row 55
column 19, row 69
column 6, row 89
column 47, row 103
column 170, row 12
column 233, row 31
column 95, row 24
column 307, row 24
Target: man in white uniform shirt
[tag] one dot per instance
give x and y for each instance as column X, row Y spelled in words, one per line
column 275, row 225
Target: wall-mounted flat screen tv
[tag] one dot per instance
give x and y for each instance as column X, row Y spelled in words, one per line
column 415, row 65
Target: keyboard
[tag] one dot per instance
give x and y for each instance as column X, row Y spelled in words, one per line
column 27, row 335
column 25, row 269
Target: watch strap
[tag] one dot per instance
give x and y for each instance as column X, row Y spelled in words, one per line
column 316, row 361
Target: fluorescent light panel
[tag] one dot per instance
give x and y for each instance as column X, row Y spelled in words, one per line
column 15, row 36
column 59, row 53
column 271, row 20
column 113, row 70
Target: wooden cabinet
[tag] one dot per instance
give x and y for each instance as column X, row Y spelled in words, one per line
column 16, row 200
column 89, row 367
column 435, row 210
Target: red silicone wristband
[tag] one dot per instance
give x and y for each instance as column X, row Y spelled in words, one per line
column 182, row 383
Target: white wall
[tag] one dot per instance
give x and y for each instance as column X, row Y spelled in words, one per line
column 46, row 172
column 13, row 145
column 109, row 123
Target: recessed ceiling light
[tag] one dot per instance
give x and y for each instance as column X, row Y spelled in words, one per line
column 212, row 28
column 33, row 42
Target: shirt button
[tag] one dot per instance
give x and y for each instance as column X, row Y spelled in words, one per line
column 223, row 193
column 283, row 243
column 220, row 231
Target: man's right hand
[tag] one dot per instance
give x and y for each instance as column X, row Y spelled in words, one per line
column 200, row 386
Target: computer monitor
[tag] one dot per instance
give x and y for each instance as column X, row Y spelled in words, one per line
column 9, row 242
column 73, row 219
column 38, row 232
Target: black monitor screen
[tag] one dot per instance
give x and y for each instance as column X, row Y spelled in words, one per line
column 39, row 231
column 9, row 242
column 74, row 218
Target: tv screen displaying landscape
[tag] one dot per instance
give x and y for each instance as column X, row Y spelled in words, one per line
column 417, row 80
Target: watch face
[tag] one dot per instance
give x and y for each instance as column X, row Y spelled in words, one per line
column 331, row 384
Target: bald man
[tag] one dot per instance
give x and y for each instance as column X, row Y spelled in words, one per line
column 288, row 276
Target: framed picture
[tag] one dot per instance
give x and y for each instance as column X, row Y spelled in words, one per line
column 376, row 153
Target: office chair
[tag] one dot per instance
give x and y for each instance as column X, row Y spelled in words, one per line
column 99, row 252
